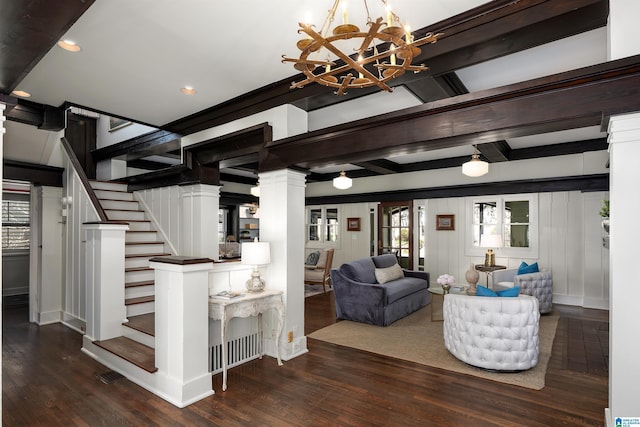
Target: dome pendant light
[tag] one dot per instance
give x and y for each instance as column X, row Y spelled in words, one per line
column 475, row 167
column 342, row 182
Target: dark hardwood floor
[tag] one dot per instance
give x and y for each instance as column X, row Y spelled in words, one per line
column 47, row 380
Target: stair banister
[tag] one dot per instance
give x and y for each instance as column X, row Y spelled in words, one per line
column 83, row 178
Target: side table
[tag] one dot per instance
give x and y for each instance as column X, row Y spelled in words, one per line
column 250, row 304
column 488, row 269
column 437, row 300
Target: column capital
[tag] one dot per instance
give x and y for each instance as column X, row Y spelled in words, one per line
column 624, row 128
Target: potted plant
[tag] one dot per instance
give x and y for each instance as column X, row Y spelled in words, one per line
column 604, row 213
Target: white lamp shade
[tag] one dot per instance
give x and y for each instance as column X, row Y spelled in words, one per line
column 475, row 167
column 491, row 241
column 256, row 253
column 342, row 182
column 255, row 191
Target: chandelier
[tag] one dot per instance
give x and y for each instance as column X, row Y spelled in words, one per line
column 382, row 53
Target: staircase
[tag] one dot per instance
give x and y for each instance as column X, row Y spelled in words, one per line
column 142, row 243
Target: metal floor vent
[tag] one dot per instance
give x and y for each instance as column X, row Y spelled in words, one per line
column 110, row 377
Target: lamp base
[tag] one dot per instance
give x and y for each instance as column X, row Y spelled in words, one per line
column 255, row 284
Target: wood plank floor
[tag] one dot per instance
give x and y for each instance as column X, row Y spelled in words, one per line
column 48, row 381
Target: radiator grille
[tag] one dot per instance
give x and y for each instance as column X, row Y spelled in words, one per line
column 239, row 351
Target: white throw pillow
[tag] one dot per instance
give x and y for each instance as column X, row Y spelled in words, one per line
column 384, row 275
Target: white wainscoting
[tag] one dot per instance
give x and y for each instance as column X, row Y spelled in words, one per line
column 164, row 209
column 80, row 211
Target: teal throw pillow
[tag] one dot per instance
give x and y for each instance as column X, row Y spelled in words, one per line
column 511, row 292
column 482, row 291
column 525, row 269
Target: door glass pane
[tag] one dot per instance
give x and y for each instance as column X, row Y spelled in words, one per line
column 395, row 233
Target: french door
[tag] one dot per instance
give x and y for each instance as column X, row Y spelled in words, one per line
column 395, row 231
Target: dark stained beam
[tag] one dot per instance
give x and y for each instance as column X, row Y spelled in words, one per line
column 152, row 143
column 380, row 166
column 494, row 29
column 573, row 99
column 42, row 116
column 495, row 152
column 32, row 28
column 584, row 183
column 31, row 172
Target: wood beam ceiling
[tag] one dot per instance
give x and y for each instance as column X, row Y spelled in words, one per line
column 492, row 30
column 573, row 99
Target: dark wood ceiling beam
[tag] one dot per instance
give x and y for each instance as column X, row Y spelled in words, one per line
column 573, row 147
column 380, row 166
column 583, row 183
column 470, row 38
column 32, row 28
column 152, row 143
column 34, row 173
column 573, row 99
column 495, row 152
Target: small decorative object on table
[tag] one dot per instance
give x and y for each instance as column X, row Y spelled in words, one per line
column 472, row 276
column 446, row 281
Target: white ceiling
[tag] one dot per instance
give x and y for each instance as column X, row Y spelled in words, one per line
column 136, row 55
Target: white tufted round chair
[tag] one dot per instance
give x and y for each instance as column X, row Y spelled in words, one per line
column 499, row 333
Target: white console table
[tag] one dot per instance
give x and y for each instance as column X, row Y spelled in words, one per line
column 250, row 304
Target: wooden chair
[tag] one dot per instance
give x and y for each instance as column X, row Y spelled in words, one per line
column 319, row 274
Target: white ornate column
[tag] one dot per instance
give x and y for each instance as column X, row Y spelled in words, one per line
column 624, row 235
column 200, row 204
column 182, row 328
column 104, row 280
column 282, row 212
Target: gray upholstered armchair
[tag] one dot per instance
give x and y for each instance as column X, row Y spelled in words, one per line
column 539, row 285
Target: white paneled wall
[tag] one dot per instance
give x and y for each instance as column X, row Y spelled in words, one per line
column 570, row 238
column 163, row 207
column 78, row 212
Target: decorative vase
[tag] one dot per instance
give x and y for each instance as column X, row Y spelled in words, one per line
column 472, row 276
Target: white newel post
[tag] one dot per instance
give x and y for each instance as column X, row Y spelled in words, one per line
column 624, row 375
column 104, row 274
column 200, row 204
column 282, row 225
column 182, row 328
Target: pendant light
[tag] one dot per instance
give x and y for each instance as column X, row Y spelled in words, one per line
column 475, row 167
column 342, row 182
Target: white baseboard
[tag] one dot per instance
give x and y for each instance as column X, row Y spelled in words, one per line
column 49, row 317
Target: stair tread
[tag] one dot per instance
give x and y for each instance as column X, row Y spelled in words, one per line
column 149, row 255
column 139, row 283
column 139, row 300
column 144, row 323
column 141, row 231
column 128, row 270
column 132, row 351
column 144, row 243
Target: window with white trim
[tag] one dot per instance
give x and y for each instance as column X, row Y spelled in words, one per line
column 513, row 217
column 15, row 224
column 322, row 225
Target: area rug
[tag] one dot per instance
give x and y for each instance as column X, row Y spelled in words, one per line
column 311, row 290
column 416, row 339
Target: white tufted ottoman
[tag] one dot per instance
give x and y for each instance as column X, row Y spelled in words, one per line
column 499, row 333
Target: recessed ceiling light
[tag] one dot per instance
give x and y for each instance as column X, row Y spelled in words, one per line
column 69, row 45
column 21, row 93
column 188, row 90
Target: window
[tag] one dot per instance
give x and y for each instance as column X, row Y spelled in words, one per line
column 15, row 224
column 513, row 217
column 322, row 224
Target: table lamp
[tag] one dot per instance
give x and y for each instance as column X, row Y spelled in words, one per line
column 490, row 241
column 255, row 253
